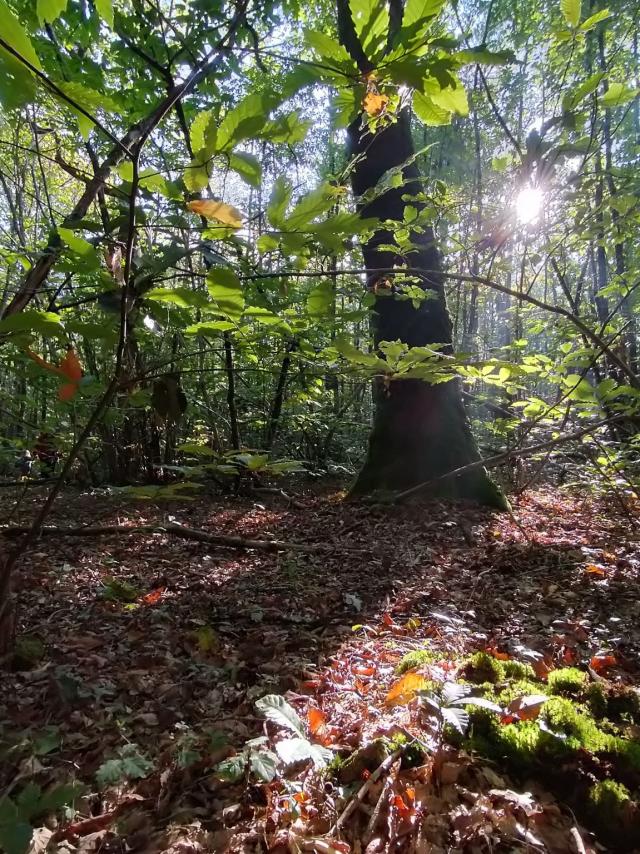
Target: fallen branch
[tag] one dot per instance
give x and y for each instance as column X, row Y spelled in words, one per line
column 173, row 530
column 361, row 794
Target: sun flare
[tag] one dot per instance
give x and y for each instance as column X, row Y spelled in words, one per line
column 529, row 204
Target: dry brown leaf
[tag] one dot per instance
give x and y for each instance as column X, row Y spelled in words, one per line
column 404, row 690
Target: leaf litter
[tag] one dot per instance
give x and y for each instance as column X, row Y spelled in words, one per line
column 205, row 699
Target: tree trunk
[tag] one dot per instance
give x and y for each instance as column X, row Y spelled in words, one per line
column 420, row 431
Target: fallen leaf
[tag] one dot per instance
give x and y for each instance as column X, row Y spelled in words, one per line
column 527, row 708
column 602, row 662
column 316, row 719
column 405, row 689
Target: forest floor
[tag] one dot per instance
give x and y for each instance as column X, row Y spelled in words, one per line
column 145, row 656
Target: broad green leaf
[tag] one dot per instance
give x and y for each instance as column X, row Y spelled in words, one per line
column 266, row 243
column 225, row 288
column 279, row 201
column 17, row 83
column 617, row 94
column 275, row 708
column 415, row 11
column 232, row 770
column 371, row 21
column 182, row 297
column 210, row 326
column 242, row 122
column 571, row 9
column 247, row 166
column 450, row 98
column 264, row 764
column 203, row 132
column 15, row 838
column 196, row 175
column 484, row 56
column 298, row 749
column 310, row 207
column 105, row 10
column 320, row 299
column 501, row 162
column 44, row 322
column 49, row 10
column 288, row 129
column 429, row 113
column 90, row 100
column 329, row 50
column 572, row 99
column 593, row 20
column 357, row 357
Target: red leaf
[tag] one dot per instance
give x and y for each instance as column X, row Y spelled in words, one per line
column 602, row 662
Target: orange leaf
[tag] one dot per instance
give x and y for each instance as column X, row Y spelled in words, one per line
column 154, row 596
column 70, row 366
column 400, row 805
column 67, row 391
column 527, row 708
column 602, row 662
column 42, row 362
column 374, row 103
column 316, row 719
column 594, row 569
column 501, row 656
column 363, row 671
column 405, row 689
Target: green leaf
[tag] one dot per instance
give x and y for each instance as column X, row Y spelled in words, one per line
column 617, row 94
column 310, row 207
column 484, row 56
column 49, row 10
column 288, row 129
column 264, row 764
column 320, row 299
column 90, row 100
column 225, row 288
column 210, row 326
column 279, row 201
column 196, row 175
column 329, row 50
column 231, row 770
column 247, row 166
column 429, row 113
column 17, row 83
column 86, row 256
column 571, row 9
column 44, row 322
column 105, row 10
column 242, row 122
column 182, row 297
column 415, row 11
column 15, row 838
column 298, row 749
column 593, row 20
column 571, row 100
column 371, row 21
column 450, row 98
column 275, row 708
column 203, row 131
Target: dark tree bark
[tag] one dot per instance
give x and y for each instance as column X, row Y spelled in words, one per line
column 420, row 431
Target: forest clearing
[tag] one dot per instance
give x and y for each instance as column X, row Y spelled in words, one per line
column 319, row 388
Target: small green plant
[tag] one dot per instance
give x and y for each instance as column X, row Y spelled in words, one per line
column 115, row 590
column 130, row 764
column 19, row 815
column 567, row 680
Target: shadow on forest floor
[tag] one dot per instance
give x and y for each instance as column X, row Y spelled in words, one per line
column 212, row 630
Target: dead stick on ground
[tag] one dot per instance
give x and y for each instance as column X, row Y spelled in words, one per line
column 362, row 792
column 174, row 530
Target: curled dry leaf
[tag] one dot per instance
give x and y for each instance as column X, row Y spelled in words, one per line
column 404, row 690
column 374, row 103
column 526, row 708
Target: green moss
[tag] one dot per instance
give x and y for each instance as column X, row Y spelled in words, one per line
column 596, row 699
column 580, row 730
column 628, row 752
column 608, row 798
column 518, row 670
column 521, row 688
column 624, row 704
column 483, row 667
column 413, row 753
column 417, row 658
column 567, row 680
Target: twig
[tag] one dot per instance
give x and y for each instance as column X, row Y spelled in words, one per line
column 363, row 791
